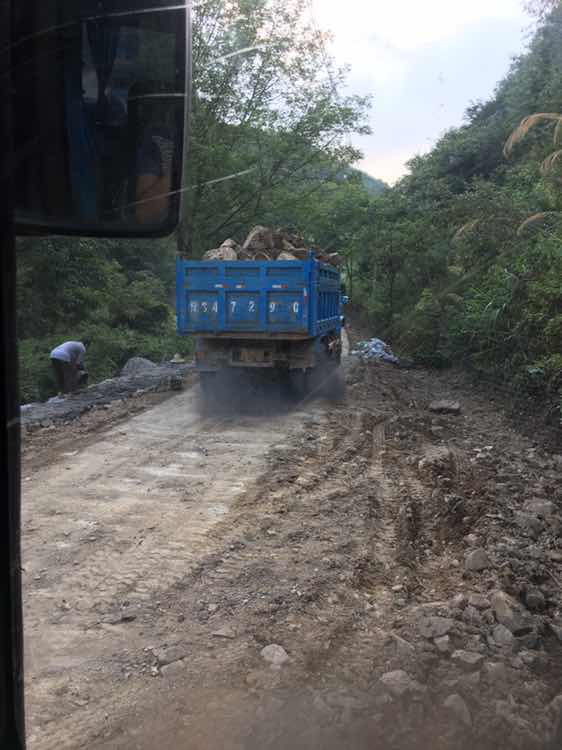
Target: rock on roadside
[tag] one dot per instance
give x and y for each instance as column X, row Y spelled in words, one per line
column 399, row 683
column 274, row 654
column 457, row 706
column 468, row 660
column 477, row 560
column 511, row 614
column 435, row 626
column 137, row 365
column 445, row 407
column 438, row 460
column 503, row 636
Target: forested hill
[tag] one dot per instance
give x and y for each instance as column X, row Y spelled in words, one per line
column 461, row 261
column 371, row 184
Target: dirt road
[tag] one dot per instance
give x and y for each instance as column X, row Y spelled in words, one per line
column 402, row 569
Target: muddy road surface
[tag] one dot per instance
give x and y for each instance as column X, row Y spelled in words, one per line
column 353, row 573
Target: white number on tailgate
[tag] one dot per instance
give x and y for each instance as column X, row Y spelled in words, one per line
column 193, row 307
column 296, row 308
column 251, row 305
column 205, row 307
column 272, row 307
column 233, row 305
column 215, row 307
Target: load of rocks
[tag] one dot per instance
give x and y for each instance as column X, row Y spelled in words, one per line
column 265, row 243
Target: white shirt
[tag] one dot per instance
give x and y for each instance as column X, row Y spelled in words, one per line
column 70, row 351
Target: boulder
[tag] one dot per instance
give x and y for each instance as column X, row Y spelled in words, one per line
column 404, row 649
column 459, row 601
column 264, row 243
column 445, row 407
column 457, row 706
column 477, row 560
column 503, row 636
column 170, row 654
column 535, row 599
column 137, row 366
column 287, row 246
column 438, row 460
column 435, row 626
column 530, row 523
column 274, row 654
column 472, row 540
column 224, row 632
column 496, row 672
column 471, row 616
column 259, row 239
column 443, row 644
column 478, row 601
column 224, row 252
column 511, row 614
column 399, row 683
column 468, row 660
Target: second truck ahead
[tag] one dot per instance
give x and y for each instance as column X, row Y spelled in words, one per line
column 283, row 315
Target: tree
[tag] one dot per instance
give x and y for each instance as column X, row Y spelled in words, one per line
column 541, row 8
column 267, row 116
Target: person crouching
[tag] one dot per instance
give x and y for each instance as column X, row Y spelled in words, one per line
column 68, row 365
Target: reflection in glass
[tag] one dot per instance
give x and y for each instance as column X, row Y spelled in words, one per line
column 106, row 133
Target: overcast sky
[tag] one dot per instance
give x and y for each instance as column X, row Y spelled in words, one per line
column 424, row 62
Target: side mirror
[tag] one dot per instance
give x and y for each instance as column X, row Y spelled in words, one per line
column 344, row 299
column 100, row 104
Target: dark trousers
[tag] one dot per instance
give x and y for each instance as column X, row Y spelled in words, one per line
column 66, row 374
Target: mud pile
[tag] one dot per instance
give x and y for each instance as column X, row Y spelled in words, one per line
column 265, row 243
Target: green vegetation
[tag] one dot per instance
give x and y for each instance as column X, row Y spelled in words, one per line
column 269, row 131
column 371, row 184
column 116, row 296
column 268, row 124
column 461, row 261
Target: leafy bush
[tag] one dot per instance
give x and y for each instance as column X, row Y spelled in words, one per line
column 95, row 292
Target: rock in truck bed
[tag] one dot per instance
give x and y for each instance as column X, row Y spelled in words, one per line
column 265, row 243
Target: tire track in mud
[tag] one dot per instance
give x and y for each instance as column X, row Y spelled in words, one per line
column 336, row 546
column 109, row 531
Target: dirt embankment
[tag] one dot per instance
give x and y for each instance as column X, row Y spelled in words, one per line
column 139, row 377
column 361, row 573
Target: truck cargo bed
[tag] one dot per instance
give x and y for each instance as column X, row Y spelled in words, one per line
column 267, row 298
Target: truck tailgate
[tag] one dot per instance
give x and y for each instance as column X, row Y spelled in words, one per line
column 243, row 296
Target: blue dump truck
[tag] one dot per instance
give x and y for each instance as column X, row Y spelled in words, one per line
column 277, row 315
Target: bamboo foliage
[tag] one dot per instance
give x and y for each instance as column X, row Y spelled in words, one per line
column 527, row 124
column 558, row 133
column 535, row 219
column 465, row 229
column 550, row 162
column 547, row 166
